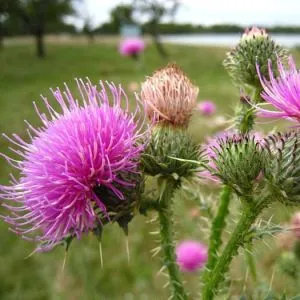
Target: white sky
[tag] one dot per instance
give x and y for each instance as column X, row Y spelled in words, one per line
column 243, row 12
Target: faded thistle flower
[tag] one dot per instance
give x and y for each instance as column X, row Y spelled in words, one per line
column 238, row 161
column 283, row 169
column 255, row 47
column 169, row 96
column 191, row 255
column 283, row 92
column 79, row 169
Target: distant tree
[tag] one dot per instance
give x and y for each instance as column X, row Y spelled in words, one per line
column 88, row 29
column 156, row 10
column 36, row 15
column 121, row 14
column 3, row 16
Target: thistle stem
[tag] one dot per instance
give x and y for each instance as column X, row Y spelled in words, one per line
column 237, row 240
column 218, row 225
column 251, row 262
column 167, row 240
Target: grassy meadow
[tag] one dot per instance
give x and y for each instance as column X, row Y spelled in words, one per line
column 22, row 79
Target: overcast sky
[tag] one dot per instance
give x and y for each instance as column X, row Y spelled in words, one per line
column 243, row 12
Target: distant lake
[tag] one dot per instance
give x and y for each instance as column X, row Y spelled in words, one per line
column 227, row 40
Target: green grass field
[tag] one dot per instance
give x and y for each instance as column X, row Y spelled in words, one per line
column 22, row 79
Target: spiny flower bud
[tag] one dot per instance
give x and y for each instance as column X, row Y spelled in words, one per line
column 170, row 151
column 169, row 96
column 255, row 47
column 283, row 172
column 239, row 162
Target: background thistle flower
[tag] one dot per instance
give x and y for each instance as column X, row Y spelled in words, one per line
column 132, row 47
column 169, row 96
column 191, row 255
column 283, row 170
column 239, row 160
column 255, row 47
column 71, row 164
column 283, row 92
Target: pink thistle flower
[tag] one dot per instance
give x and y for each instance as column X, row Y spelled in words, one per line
column 295, row 222
column 132, row 47
column 191, row 255
column 207, row 108
column 283, row 92
column 77, row 150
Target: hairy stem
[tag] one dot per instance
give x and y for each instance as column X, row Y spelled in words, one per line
column 237, row 240
column 218, row 225
column 251, row 262
column 167, row 240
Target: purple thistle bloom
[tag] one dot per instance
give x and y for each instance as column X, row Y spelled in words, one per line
column 132, row 47
column 76, row 150
column 207, row 107
column 282, row 92
column 191, row 255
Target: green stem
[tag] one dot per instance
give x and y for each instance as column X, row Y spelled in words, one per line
column 167, row 240
column 218, row 225
column 238, row 239
column 251, row 262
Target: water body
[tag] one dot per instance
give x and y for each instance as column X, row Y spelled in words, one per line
column 227, row 40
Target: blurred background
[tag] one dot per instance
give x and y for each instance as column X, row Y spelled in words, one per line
column 44, row 43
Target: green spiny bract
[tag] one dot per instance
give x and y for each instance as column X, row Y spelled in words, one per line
column 239, row 162
column 170, row 152
column 283, row 172
column 256, row 50
column 120, row 210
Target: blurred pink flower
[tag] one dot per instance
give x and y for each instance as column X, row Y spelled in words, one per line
column 191, row 255
column 295, row 222
column 132, row 47
column 207, row 107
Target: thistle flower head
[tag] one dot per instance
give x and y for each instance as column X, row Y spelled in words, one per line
column 206, row 108
column 238, row 161
column 283, row 92
column 169, row 96
column 78, row 157
column 191, row 255
column 255, row 47
column 283, row 170
column 132, row 47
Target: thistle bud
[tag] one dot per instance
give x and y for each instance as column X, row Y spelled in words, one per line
column 170, row 151
column 239, row 162
column 169, row 96
column 283, row 172
column 255, row 47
